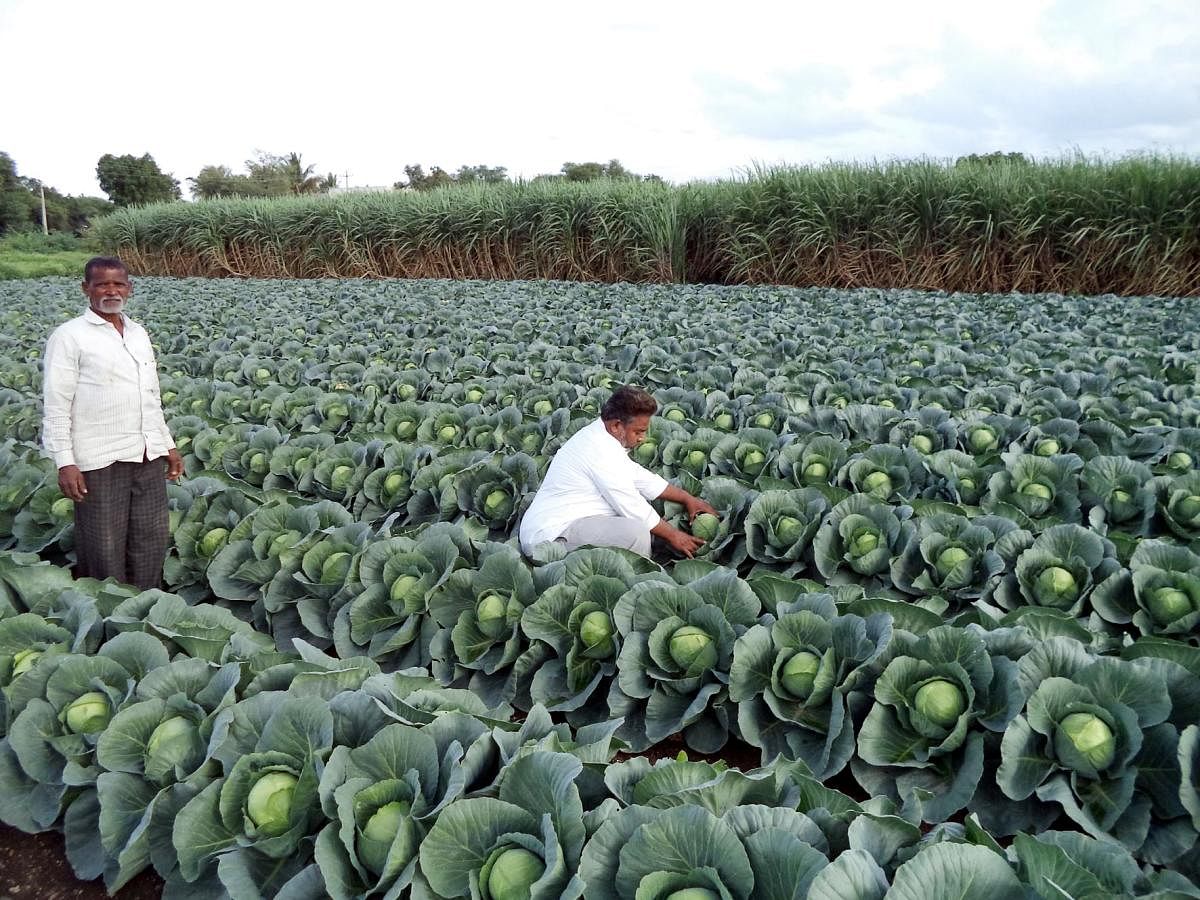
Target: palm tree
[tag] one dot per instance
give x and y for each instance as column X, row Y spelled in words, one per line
column 301, row 178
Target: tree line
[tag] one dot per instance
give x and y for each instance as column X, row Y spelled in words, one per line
column 21, row 204
column 131, row 180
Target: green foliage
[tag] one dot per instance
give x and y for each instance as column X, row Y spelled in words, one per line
column 135, row 180
column 325, row 706
column 1071, row 226
column 437, row 177
column 267, row 175
column 21, row 214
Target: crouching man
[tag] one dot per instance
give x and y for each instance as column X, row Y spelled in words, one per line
column 594, row 493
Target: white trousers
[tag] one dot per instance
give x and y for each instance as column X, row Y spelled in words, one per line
column 608, row 531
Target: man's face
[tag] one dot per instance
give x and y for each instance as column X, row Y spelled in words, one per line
column 632, row 433
column 107, row 290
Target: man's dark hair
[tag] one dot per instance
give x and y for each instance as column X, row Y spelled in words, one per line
column 626, row 404
column 103, row 262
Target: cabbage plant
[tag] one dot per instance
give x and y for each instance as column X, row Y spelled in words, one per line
column 339, row 471
column 780, row 526
column 381, row 799
column 1159, row 594
column 676, row 649
column 745, row 455
column 249, row 459
column 1178, row 504
column 859, row 538
column 990, row 435
column 724, row 538
column 479, row 614
column 434, row 496
column 387, row 488
column 1081, row 743
column 495, row 493
column 1180, row 453
column 155, row 755
column 952, row 557
column 1057, row 436
column 202, row 532
column 688, row 457
column 811, row 461
column 958, row 477
column 388, row 619
column 688, row 853
column 46, row 522
column 524, row 842
column 1118, row 494
column 935, row 701
column 792, row 676
column 571, row 663
column 929, row 431
column 20, row 477
column 1058, row 572
column 50, row 751
column 1035, row 491
column 273, row 537
column 292, row 463
column 248, row 825
column 885, row 472
column 445, row 425
column 300, row 597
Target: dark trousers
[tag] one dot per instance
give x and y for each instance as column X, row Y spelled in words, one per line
column 121, row 527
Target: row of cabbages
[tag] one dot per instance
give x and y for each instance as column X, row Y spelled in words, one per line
column 725, row 351
column 429, row 462
column 412, row 484
column 1021, row 730
column 1011, row 557
column 282, row 440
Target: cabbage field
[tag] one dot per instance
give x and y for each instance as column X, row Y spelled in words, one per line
column 942, row 642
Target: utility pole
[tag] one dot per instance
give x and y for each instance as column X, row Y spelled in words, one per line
column 346, row 186
column 45, row 228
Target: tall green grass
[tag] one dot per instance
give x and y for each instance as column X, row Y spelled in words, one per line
column 35, row 255
column 1129, row 226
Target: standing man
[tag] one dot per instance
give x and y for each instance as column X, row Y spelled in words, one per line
column 103, row 426
column 594, row 493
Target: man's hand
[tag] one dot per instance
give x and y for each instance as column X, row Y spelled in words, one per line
column 174, row 465
column 71, row 483
column 679, row 541
column 695, row 506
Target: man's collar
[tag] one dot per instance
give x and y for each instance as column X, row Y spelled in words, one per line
column 96, row 319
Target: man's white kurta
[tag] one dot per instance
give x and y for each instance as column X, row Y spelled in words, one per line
column 101, row 393
column 590, row 475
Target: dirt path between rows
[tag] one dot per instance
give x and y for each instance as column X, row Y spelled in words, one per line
column 35, row 867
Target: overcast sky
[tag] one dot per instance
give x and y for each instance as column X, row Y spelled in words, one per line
column 686, row 90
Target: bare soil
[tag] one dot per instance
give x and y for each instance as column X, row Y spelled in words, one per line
column 35, row 867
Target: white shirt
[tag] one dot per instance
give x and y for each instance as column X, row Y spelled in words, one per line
column 101, row 396
column 590, row 475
